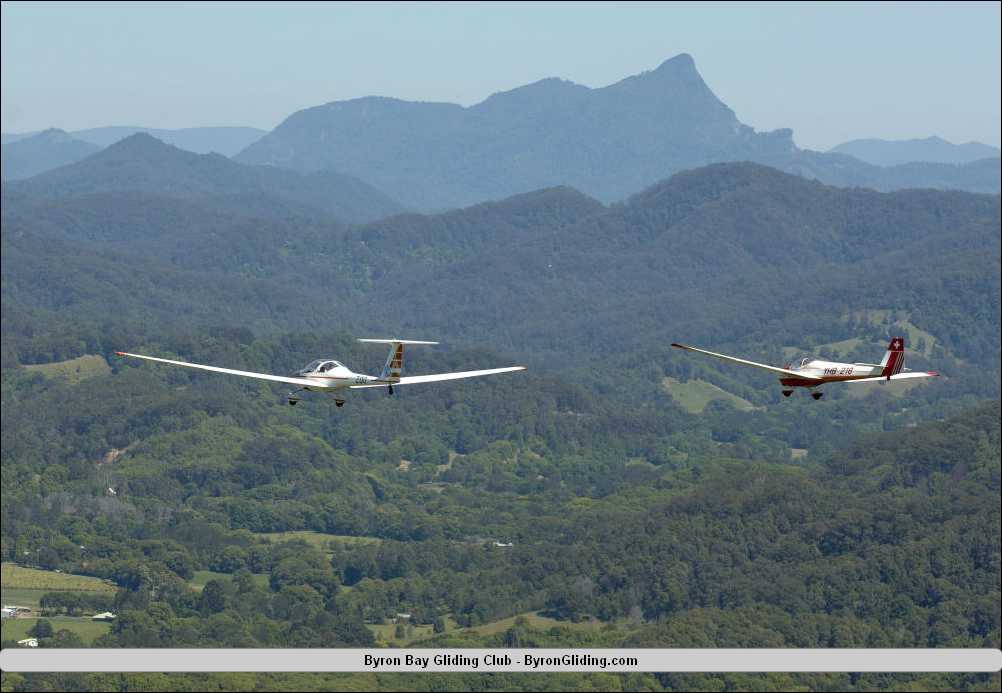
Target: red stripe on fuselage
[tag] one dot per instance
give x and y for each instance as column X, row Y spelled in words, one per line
column 804, row 382
column 799, row 382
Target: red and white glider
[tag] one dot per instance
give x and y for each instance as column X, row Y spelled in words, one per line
column 810, row 373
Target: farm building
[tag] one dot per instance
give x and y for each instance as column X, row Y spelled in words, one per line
column 15, row 611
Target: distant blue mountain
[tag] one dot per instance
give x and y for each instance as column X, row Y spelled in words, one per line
column 931, row 149
column 143, row 164
column 608, row 142
column 29, row 156
column 222, row 140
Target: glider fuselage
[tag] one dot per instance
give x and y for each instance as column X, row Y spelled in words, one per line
column 818, row 372
column 329, row 376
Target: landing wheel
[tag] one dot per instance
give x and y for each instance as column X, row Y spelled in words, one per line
column 339, row 403
column 293, row 401
column 817, row 395
column 787, row 393
column 389, row 391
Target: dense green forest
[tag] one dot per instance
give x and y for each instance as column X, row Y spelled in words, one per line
column 737, row 255
column 648, row 516
column 589, row 501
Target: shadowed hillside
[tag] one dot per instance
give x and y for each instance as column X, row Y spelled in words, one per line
column 142, row 163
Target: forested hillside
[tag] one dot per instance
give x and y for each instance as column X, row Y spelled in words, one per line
column 674, row 529
column 617, row 493
column 141, row 163
column 733, row 255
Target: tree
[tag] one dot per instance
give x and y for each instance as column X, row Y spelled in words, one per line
column 41, row 629
column 213, row 598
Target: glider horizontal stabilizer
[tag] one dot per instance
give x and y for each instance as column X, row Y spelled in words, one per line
column 437, row 377
column 395, row 341
column 896, row 376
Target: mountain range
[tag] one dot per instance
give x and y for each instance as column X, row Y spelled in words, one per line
column 225, row 140
column 143, row 164
column 727, row 252
column 931, row 149
column 44, row 151
column 28, row 154
column 609, row 143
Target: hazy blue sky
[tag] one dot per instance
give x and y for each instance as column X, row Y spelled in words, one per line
column 832, row 72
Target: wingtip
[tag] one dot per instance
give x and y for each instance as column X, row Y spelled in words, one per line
column 120, row 353
column 676, row 344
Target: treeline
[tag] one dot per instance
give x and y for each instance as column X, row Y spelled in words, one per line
column 75, row 603
column 483, row 681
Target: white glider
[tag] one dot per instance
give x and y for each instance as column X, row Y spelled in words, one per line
column 330, row 376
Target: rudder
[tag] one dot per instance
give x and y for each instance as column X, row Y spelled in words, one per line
column 894, row 359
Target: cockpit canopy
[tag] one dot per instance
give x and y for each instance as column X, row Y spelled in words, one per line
column 801, row 361
column 321, row 366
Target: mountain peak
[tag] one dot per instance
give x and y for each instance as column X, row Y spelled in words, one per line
column 138, row 140
column 42, row 151
column 52, row 135
column 677, row 75
column 683, row 62
column 541, row 94
column 142, row 146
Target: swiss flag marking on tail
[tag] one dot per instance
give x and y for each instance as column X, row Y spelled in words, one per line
column 894, row 359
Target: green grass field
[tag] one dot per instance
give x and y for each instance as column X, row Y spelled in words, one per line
column 19, row 596
column 912, row 332
column 202, row 577
column 74, row 370
column 694, row 395
column 17, row 628
column 385, row 632
column 18, row 577
column 318, row 539
column 843, row 347
column 537, row 622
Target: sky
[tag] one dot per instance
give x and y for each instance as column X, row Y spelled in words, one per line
column 830, row 71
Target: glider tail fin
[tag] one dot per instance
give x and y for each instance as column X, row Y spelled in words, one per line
column 394, row 363
column 894, row 359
